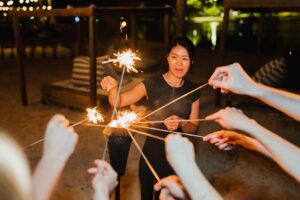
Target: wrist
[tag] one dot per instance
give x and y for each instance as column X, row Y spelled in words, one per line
column 101, row 192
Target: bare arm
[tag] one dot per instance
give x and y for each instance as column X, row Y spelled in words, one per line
column 284, row 101
column 59, row 144
column 192, row 127
column 126, row 98
column 181, row 156
column 284, row 153
column 226, row 140
column 234, row 79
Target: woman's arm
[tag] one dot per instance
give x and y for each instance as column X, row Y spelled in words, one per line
column 128, row 97
column 192, row 127
column 110, row 84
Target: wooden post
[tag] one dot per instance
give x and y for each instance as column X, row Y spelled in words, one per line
column 19, row 56
column 180, row 15
column 166, row 31
column 259, row 37
column 133, row 40
column 92, row 34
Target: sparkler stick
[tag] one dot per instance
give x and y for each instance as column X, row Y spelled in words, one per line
column 114, row 110
column 41, row 140
column 184, row 95
column 163, row 121
column 163, row 130
column 143, row 155
column 146, row 134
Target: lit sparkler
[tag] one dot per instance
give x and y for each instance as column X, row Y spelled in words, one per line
column 126, row 58
column 124, row 120
column 94, row 116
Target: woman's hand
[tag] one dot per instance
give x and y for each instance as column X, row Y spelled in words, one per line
column 172, row 123
column 108, row 83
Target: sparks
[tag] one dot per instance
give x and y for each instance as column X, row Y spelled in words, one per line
column 94, row 116
column 124, row 120
column 126, row 58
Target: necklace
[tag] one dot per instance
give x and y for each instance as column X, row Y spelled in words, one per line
column 173, row 84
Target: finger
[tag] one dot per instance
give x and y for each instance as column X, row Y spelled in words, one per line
column 223, row 146
column 228, row 148
column 211, row 136
column 213, row 116
column 92, row 170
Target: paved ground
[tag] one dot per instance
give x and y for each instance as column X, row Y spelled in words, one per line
column 232, row 173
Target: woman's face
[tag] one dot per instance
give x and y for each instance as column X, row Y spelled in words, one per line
column 179, row 61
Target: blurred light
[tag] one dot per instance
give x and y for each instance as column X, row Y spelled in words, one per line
column 235, row 13
column 1, row 3
column 240, row 34
column 27, row 1
column 77, row 19
column 9, row 3
column 24, row 8
column 4, row 14
column 32, row 17
column 195, row 32
column 49, row 7
column 44, row 7
column 37, row 8
column 213, row 28
column 18, row 8
column 31, row 8
column 21, row 1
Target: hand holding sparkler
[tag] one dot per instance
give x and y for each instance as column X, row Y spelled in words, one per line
column 108, row 83
column 232, row 78
column 172, row 122
column 60, row 140
column 170, row 187
column 231, row 118
column 104, row 181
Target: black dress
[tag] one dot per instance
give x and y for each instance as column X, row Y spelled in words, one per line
column 159, row 93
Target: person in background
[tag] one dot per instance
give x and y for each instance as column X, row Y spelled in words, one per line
column 160, row 90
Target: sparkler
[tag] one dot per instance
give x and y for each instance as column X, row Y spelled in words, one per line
column 167, row 131
column 178, row 120
column 92, row 115
column 143, row 155
column 177, row 99
column 125, row 59
column 124, row 120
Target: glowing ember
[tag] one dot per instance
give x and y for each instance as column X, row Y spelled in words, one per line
column 94, row 116
column 122, row 25
column 124, row 120
column 126, row 58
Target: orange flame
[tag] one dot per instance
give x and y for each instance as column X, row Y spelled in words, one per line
column 94, row 116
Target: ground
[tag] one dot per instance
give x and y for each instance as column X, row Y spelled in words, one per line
column 232, row 173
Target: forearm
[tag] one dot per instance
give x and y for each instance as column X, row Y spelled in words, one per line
column 284, row 153
column 112, row 94
column 286, row 102
column 254, row 145
column 100, row 195
column 46, row 176
column 195, row 183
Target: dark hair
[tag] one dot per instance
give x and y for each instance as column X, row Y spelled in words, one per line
column 186, row 43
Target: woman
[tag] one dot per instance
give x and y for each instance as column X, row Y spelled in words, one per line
column 159, row 91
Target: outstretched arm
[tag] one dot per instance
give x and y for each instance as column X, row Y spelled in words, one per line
column 234, row 79
column 284, row 153
column 226, row 140
column 181, row 156
column 59, row 144
column 126, row 98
